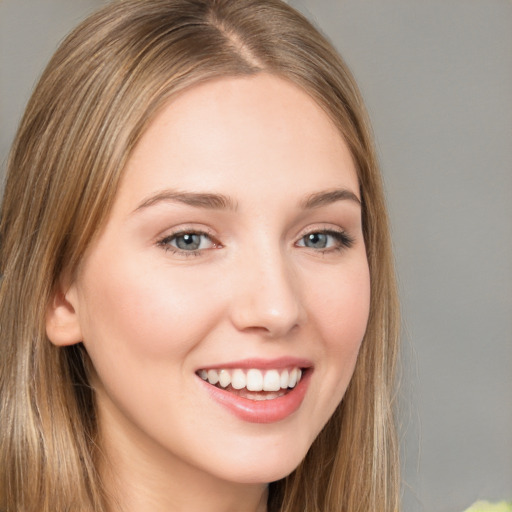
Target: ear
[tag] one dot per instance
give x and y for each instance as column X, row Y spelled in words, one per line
column 62, row 322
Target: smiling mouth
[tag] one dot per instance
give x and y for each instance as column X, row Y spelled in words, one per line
column 253, row 383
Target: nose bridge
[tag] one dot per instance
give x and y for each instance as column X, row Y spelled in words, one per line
column 268, row 297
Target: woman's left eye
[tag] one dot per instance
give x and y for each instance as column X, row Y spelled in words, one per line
column 187, row 242
column 326, row 240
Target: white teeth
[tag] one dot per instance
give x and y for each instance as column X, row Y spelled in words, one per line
column 272, row 381
column 253, row 379
column 238, row 380
column 284, row 379
column 292, row 379
column 213, row 377
column 224, row 378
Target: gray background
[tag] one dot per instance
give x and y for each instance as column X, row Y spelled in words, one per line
column 437, row 78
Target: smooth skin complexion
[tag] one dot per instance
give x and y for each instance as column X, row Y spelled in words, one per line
column 235, row 243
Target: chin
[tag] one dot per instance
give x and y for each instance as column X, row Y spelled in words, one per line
column 265, row 464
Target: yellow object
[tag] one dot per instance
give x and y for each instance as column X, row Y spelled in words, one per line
column 485, row 506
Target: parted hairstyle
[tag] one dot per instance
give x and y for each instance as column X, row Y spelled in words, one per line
column 95, row 99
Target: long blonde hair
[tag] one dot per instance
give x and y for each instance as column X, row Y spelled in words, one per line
column 99, row 92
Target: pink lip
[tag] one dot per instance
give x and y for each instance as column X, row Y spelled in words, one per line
column 262, row 364
column 264, row 411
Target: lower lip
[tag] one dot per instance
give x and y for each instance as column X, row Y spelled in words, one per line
column 261, row 411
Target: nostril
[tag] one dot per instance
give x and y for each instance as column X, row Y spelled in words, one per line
column 271, row 330
column 256, row 316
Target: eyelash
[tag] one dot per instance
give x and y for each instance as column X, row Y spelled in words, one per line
column 165, row 242
column 343, row 241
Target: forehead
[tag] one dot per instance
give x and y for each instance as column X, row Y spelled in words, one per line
column 230, row 133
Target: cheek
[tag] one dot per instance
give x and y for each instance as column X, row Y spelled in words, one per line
column 139, row 328
column 341, row 310
column 145, row 315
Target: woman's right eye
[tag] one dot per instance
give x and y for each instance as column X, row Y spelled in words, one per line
column 187, row 242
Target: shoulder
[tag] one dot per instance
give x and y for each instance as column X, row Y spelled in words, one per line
column 485, row 506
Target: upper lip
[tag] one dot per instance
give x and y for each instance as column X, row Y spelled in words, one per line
column 262, row 364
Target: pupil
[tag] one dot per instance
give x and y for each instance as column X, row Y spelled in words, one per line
column 188, row 242
column 317, row 240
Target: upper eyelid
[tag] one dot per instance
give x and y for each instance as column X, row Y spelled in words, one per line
column 322, row 228
column 331, row 232
column 183, row 230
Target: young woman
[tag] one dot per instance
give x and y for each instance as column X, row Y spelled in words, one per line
column 197, row 305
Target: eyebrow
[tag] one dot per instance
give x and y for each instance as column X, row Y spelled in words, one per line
column 208, row 201
column 327, row 197
column 212, row 201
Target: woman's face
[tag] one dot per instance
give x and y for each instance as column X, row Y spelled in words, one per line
column 234, row 251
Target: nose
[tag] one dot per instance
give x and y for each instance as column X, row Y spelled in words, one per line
column 268, row 296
